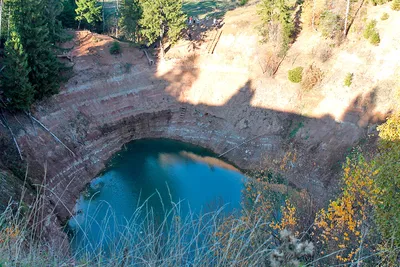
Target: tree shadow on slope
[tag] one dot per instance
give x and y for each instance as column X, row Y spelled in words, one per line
column 208, row 8
column 300, row 147
column 361, row 110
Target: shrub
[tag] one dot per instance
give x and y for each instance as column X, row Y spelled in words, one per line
column 271, row 63
column 371, row 33
column 324, row 52
column 115, row 48
column 312, row 76
column 243, row 2
column 168, row 239
column 370, row 29
column 348, row 80
column 379, row 2
column 330, row 24
column 295, row 75
column 375, row 38
column 385, row 16
column 396, row 5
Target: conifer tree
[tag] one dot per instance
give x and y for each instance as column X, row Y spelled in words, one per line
column 67, row 15
column 287, row 25
column 131, row 13
column 52, row 9
column 162, row 17
column 15, row 81
column 88, row 11
column 278, row 11
column 29, row 20
column 36, row 41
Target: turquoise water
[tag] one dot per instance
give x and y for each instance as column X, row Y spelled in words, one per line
column 156, row 174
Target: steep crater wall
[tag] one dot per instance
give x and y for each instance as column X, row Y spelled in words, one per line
column 105, row 106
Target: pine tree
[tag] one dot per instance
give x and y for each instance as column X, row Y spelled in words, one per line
column 162, row 17
column 131, row 12
column 15, row 81
column 30, row 22
column 52, row 9
column 278, row 11
column 175, row 19
column 287, row 25
column 67, row 16
column 88, row 11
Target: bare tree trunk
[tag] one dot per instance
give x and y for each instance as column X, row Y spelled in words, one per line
column 161, row 44
column 104, row 23
column 346, row 18
column 1, row 15
column 12, row 135
column 52, row 134
column 116, row 28
column 8, row 22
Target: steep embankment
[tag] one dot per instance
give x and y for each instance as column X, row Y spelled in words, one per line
column 217, row 101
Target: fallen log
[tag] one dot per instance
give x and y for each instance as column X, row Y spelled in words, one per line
column 5, row 124
column 151, row 61
column 239, row 145
column 52, row 134
column 69, row 57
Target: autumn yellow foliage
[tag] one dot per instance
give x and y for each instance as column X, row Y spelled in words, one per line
column 390, row 131
column 343, row 223
column 289, row 220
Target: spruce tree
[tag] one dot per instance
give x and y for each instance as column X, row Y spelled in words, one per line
column 287, row 25
column 67, row 16
column 278, row 11
column 162, row 17
column 15, row 81
column 35, row 36
column 29, row 20
column 52, row 9
column 131, row 12
column 88, row 11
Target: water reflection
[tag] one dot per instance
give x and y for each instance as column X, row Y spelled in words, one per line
column 157, row 174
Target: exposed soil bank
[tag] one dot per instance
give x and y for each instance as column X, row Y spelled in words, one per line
column 109, row 103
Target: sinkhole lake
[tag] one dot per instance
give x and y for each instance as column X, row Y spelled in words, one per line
column 154, row 175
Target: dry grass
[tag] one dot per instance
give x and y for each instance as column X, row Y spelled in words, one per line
column 312, row 76
column 145, row 240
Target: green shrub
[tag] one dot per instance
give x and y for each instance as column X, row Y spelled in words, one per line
column 295, row 75
column 370, row 29
column 349, row 79
column 396, row 5
column 385, row 16
column 371, row 33
column 378, row 2
column 375, row 38
column 115, row 48
column 330, row 24
column 243, row 2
